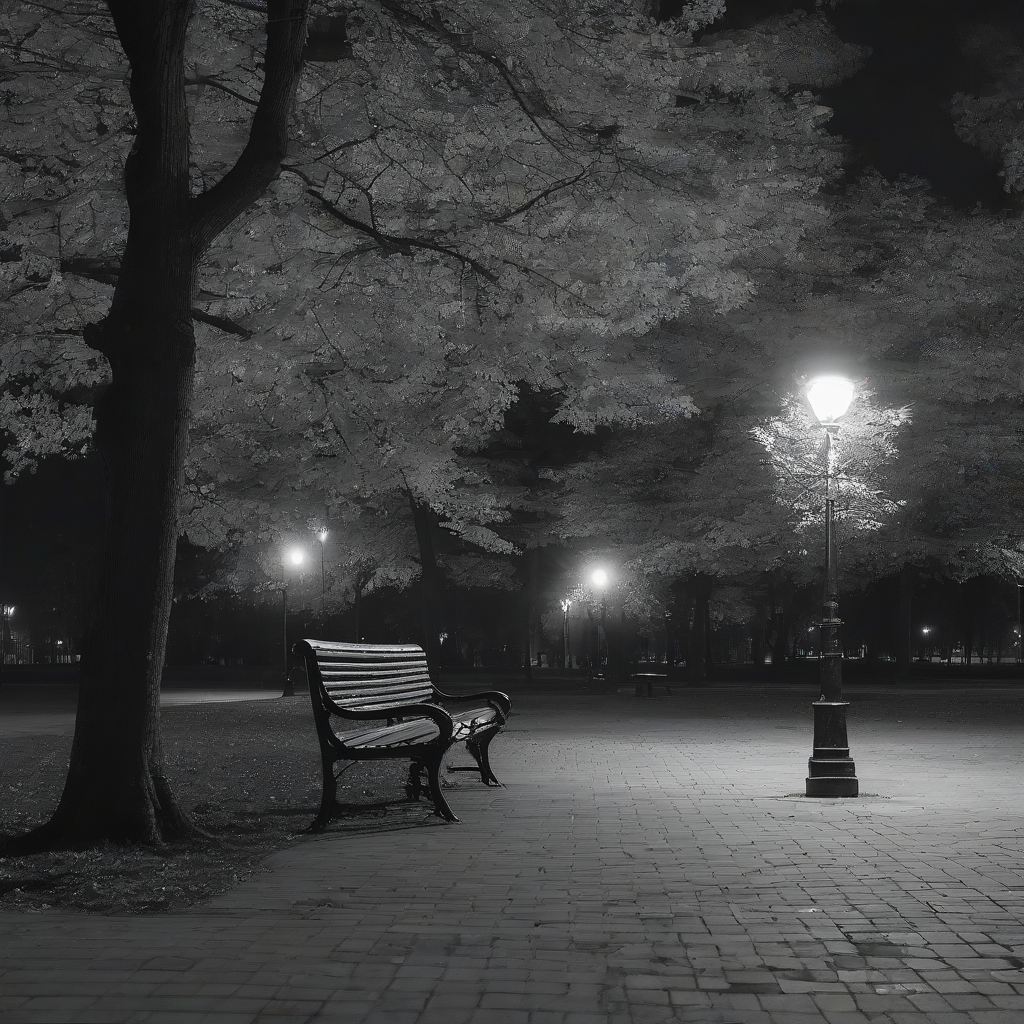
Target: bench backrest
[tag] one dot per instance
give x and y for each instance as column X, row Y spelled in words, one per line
column 364, row 677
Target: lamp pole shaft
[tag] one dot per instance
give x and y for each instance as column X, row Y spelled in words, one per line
column 830, row 770
column 289, row 690
column 323, row 586
column 565, row 638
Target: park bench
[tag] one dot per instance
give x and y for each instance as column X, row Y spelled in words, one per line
column 366, row 684
column 648, row 681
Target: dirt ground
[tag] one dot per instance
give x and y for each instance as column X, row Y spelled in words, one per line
column 248, row 773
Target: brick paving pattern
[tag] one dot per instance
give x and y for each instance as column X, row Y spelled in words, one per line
column 649, row 860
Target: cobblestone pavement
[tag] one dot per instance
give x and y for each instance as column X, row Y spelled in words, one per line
column 648, row 860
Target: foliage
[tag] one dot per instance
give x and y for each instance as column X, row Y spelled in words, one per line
column 802, row 458
column 451, row 224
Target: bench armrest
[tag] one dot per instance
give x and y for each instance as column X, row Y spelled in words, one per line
column 498, row 700
column 396, row 712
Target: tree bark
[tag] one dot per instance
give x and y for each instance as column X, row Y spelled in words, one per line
column 968, row 619
column 433, row 593
column 532, row 558
column 781, row 597
column 116, row 788
column 904, row 621
column 696, row 664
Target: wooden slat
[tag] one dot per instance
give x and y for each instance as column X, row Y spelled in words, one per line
column 466, row 721
column 373, row 667
column 367, row 677
column 333, row 676
column 418, row 730
column 368, row 651
column 375, row 688
column 388, row 708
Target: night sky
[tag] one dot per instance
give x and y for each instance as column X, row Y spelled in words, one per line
column 894, row 113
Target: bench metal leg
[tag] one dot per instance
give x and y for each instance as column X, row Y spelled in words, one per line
column 441, row 808
column 323, row 818
column 414, row 784
column 477, row 747
column 482, row 744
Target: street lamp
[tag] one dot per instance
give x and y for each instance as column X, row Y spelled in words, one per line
column 830, row 770
column 294, row 556
column 5, row 629
column 599, row 577
column 566, row 605
column 322, row 536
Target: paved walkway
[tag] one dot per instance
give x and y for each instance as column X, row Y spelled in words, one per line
column 648, row 861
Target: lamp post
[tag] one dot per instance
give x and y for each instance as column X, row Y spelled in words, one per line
column 830, row 770
column 599, row 578
column 322, row 536
column 5, row 629
column 925, row 630
column 1020, row 626
column 296, row 556
column 566, row 605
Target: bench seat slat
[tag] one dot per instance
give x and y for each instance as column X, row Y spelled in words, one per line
column 468, row 721
column 418, row 730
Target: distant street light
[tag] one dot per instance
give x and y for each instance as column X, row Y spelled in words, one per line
column 294, row 556
column 566, row 605
column 599, row 577
column 1020, row 623
column 5, row 631
column 830, row 770
column 323, row 579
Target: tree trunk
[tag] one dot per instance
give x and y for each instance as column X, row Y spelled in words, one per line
column 433, row 596
column 532, row 557
column 968, row 619
column 781, row 597
column 697, row 661
column 357, row 605
column 116, row 788
column 620, row 645
column 757, row 630
column 593, row 643
column 904, row 621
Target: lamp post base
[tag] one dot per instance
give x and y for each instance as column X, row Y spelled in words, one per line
column 830, row 770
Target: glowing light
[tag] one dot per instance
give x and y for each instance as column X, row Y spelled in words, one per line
column 599, row 578
column 323, row 536
column 296, row 556
column 830, row 397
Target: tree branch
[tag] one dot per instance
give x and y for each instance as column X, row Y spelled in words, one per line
column 401, row 243
column 91, row 267
column 260, row 162
column 221, row 323
column 106, row 272
column 558, row 186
